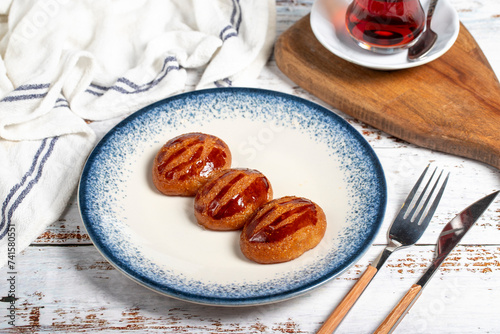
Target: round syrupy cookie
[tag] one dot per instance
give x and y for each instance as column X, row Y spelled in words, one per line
column 283, row 230
column 186, row 162
column 230, row 197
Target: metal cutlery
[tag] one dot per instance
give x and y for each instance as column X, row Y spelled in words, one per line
column 428, row 38
column 449, row 237
column 408, row 226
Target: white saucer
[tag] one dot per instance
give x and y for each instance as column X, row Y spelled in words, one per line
column 334, row 36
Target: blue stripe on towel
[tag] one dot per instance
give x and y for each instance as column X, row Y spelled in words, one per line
column 64, row 105
column 23, row 97
column 32, row 96
column 136, row 88
column 223, row 83
column 93, row 93
column 61, row 103
column 233, row 34
column 6, row 220
column 226, row 28
column 99, row 87
column 233, row 28
column 23, row 180
column 33, row 86
column 236, row 4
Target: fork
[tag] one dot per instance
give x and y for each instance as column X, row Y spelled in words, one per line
column 408, row 226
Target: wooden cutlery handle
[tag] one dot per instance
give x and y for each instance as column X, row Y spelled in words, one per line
column 345, row 305
column 399, row 311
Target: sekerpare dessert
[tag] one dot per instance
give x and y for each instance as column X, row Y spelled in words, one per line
column 230, row 197
column 185, row 163
column 282, row 230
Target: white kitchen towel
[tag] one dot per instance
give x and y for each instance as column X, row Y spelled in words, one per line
column 64, row 63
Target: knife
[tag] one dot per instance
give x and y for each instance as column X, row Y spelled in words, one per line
column 449, row 237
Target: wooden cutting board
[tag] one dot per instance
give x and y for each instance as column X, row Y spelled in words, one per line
column 450, row 104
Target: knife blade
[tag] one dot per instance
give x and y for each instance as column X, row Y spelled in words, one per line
column 449, row 237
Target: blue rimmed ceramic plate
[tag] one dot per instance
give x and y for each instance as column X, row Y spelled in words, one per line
column 303, row 149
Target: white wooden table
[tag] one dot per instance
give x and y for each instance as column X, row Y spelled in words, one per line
column 65, row 285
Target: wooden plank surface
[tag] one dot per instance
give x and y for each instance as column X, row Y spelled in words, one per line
column 74, row 289
column 65, row 286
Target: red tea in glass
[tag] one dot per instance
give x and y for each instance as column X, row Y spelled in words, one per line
column 385, row 25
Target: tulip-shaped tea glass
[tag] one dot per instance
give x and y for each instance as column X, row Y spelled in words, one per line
column 385, row 26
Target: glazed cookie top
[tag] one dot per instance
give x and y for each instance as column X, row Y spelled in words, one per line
column 230, row 197
column 280, row 218
column 185, row 162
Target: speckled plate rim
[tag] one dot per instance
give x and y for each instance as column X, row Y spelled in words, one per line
column 123, row 265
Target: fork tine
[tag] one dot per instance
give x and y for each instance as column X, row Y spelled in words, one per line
column 411, row 194
column 413, row 191
column 424, row 206
column 434, row 205
column 417, row 203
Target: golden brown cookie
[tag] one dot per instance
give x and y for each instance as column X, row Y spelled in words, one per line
column 185, row 162
column 283, row 230
column 228, row 199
